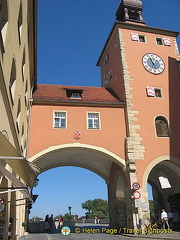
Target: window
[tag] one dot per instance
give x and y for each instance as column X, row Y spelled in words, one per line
column 3, row 22
column 159, row 41
column 106, row 59
column 162, row 128
column 20, row 23
column 163, row 41
column 74, row 93
column 141, row 38
column 59, row 119
column 76, row 96
column 23, row 64
column 18, row 114
column 12, row 82
column 93, row 120
column 158, row 93
column 137, row 37
column 154, row 92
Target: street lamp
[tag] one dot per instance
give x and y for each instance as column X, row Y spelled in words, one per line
column 69, row 213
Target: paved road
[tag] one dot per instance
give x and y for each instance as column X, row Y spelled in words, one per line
column 100, row 236
column 99, row 232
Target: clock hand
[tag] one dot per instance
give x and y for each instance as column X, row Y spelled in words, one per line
column 152, row 60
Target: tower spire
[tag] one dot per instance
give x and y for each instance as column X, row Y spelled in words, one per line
column 130, row 11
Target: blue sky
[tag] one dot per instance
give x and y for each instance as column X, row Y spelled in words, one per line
column 71, row 35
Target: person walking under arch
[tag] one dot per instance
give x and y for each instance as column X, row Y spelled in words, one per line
column 164, row 219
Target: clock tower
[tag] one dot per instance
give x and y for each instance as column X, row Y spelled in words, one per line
column 140, row 63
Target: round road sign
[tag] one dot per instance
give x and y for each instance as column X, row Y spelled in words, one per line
column 136, row 194
column 135, row 185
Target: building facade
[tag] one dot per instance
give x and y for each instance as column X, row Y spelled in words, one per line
column 127, row 131
column 17, row 83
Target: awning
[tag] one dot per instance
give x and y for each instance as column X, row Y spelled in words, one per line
column 26, row 170
column 15, row 181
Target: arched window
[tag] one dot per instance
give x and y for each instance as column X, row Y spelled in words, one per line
column 162, row 128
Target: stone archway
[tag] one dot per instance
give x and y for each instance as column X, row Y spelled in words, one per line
column 96, row 159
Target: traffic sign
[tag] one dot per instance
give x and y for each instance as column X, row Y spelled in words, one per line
column 135, row 185
column 136, row 194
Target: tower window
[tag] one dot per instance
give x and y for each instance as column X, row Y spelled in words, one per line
column 106, row 59
column 154, row 92
column 159, row 41
column 137, row 37
column 163, row 41
column 158, row 92
column 141, row 38
column 162, row 128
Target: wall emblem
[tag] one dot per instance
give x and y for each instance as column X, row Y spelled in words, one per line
column 77, row 134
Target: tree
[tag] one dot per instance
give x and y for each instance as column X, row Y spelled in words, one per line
column 97, row 207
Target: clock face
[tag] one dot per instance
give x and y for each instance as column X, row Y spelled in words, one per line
column 153, row 63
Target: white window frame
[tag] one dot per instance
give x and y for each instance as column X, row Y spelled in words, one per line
column 76, row 96
column 60, row 127
column 93, row 128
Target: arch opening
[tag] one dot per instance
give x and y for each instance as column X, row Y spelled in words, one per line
column 163, row 178
column 95, row 159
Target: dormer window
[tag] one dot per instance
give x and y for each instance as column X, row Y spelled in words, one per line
column 74, row 93
column 76, row 96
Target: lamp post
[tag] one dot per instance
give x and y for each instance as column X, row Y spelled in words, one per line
column 69, row 213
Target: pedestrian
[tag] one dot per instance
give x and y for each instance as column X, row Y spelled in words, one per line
column 170, row 218
column 47, row 223
column 51, row 223
column 98, row 219
column 95, row 220
column 61, row 221
column 164, row 219
column 74, row 220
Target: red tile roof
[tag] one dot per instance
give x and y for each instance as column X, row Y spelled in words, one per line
column 45, row 92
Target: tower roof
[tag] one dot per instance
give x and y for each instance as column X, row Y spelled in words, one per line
column 130, row 10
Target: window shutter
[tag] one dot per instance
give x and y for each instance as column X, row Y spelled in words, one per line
column 150, row 91
column 135, row 36
column 167, row 41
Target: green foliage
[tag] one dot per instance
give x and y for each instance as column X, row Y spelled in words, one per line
column 97, row 207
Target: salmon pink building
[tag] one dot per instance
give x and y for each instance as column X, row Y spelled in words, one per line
column 126, row 131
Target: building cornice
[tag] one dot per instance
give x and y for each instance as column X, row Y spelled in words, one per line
column 75, row 103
